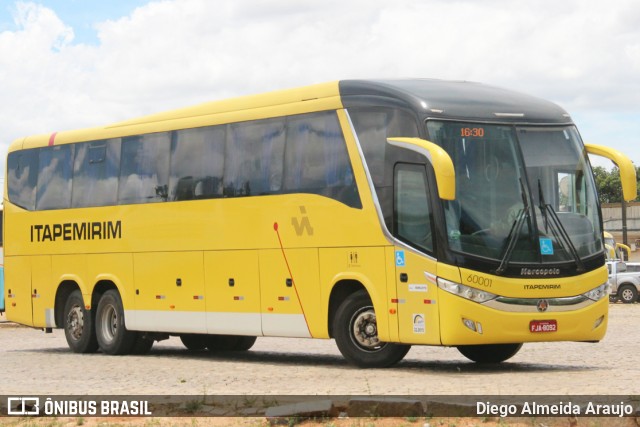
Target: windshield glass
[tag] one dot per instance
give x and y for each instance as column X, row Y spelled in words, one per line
column 522, row 194
column 563, row 188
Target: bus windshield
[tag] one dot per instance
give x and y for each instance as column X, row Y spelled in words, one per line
column 523, row 194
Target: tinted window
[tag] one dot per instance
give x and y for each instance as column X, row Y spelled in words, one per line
column 305, row 153
column 197, row 163
column 54, row 177
column 144, row 169
column 22, row 175
column 95, row 173
column 253, row 160
column 412, row 210
column 316, row 159
column 373, row 126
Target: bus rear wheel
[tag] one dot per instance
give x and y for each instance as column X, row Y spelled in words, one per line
column 489, row 353
column 113, row 336
column 78, row 325
column 356, row 333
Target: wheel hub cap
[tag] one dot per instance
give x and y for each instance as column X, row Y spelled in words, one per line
column 365, row 330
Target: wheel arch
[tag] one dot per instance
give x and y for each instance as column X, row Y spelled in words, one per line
column 100, row 288
column 340, row 291
column 65, row 288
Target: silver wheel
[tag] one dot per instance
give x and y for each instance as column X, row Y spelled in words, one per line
column 628, row 294
column 356, row 332
column 113, row 336
column 78, row 325
column 75, row 322
column 364, row 330
column 109, row 323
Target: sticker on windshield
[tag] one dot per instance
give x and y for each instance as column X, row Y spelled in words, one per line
column 546, row 246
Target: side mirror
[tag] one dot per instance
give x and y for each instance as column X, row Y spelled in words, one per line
column 439, row 159
column 627, row 170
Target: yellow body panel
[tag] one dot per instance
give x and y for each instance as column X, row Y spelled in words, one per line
column 534, row 288
column 234, row 278
column 365, row 265
column 167, row 281
column 504, row 327
column 17, row 279
column 418, row 303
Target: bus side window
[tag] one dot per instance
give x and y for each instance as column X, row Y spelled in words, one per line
column 22, row 173
column 144, row 169
column 253, row 158
column 95, row 173
column 54, row 179
column 373, row 126
column 197, row 163
column 316, row 159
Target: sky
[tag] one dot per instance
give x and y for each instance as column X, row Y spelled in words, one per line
column 80, row 63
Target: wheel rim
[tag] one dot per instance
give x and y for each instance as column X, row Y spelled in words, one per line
column 75, row 322
column 364, row 330
column 109, row 323
column 627, row 294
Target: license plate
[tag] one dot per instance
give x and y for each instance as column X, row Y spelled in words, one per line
column 543, row 326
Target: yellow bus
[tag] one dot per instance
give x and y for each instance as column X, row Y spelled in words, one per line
column 615, row 250
column 382, row 214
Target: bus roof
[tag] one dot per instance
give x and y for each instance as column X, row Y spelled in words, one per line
column 462, row 100
column 429, row 98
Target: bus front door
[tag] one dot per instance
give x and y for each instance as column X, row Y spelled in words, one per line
column 418, row 320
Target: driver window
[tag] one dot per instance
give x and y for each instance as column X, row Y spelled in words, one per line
column 412, row 213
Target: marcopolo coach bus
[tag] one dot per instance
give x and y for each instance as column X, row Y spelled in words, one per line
column 382, row 214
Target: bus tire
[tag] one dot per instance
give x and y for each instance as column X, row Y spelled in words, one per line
column 356, row 333
column 78, row 325
column 244, row 343
column 230, row 342
column 627, row 294
column 194, row 342
column 113, row 336
column 489, row 353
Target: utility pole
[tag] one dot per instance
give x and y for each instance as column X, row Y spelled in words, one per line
column 624, row 222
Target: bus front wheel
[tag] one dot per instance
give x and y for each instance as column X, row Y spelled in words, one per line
column 356, row 333
column 113, row 336
column 78, row 325
column 489, row 353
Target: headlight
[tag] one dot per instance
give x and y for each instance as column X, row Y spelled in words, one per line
column 598, row 293
column 466, row 292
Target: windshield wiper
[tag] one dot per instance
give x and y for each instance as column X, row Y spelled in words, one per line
column 557, row 229
column 514, row 233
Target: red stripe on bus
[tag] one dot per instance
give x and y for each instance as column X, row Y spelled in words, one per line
column 52, row 138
